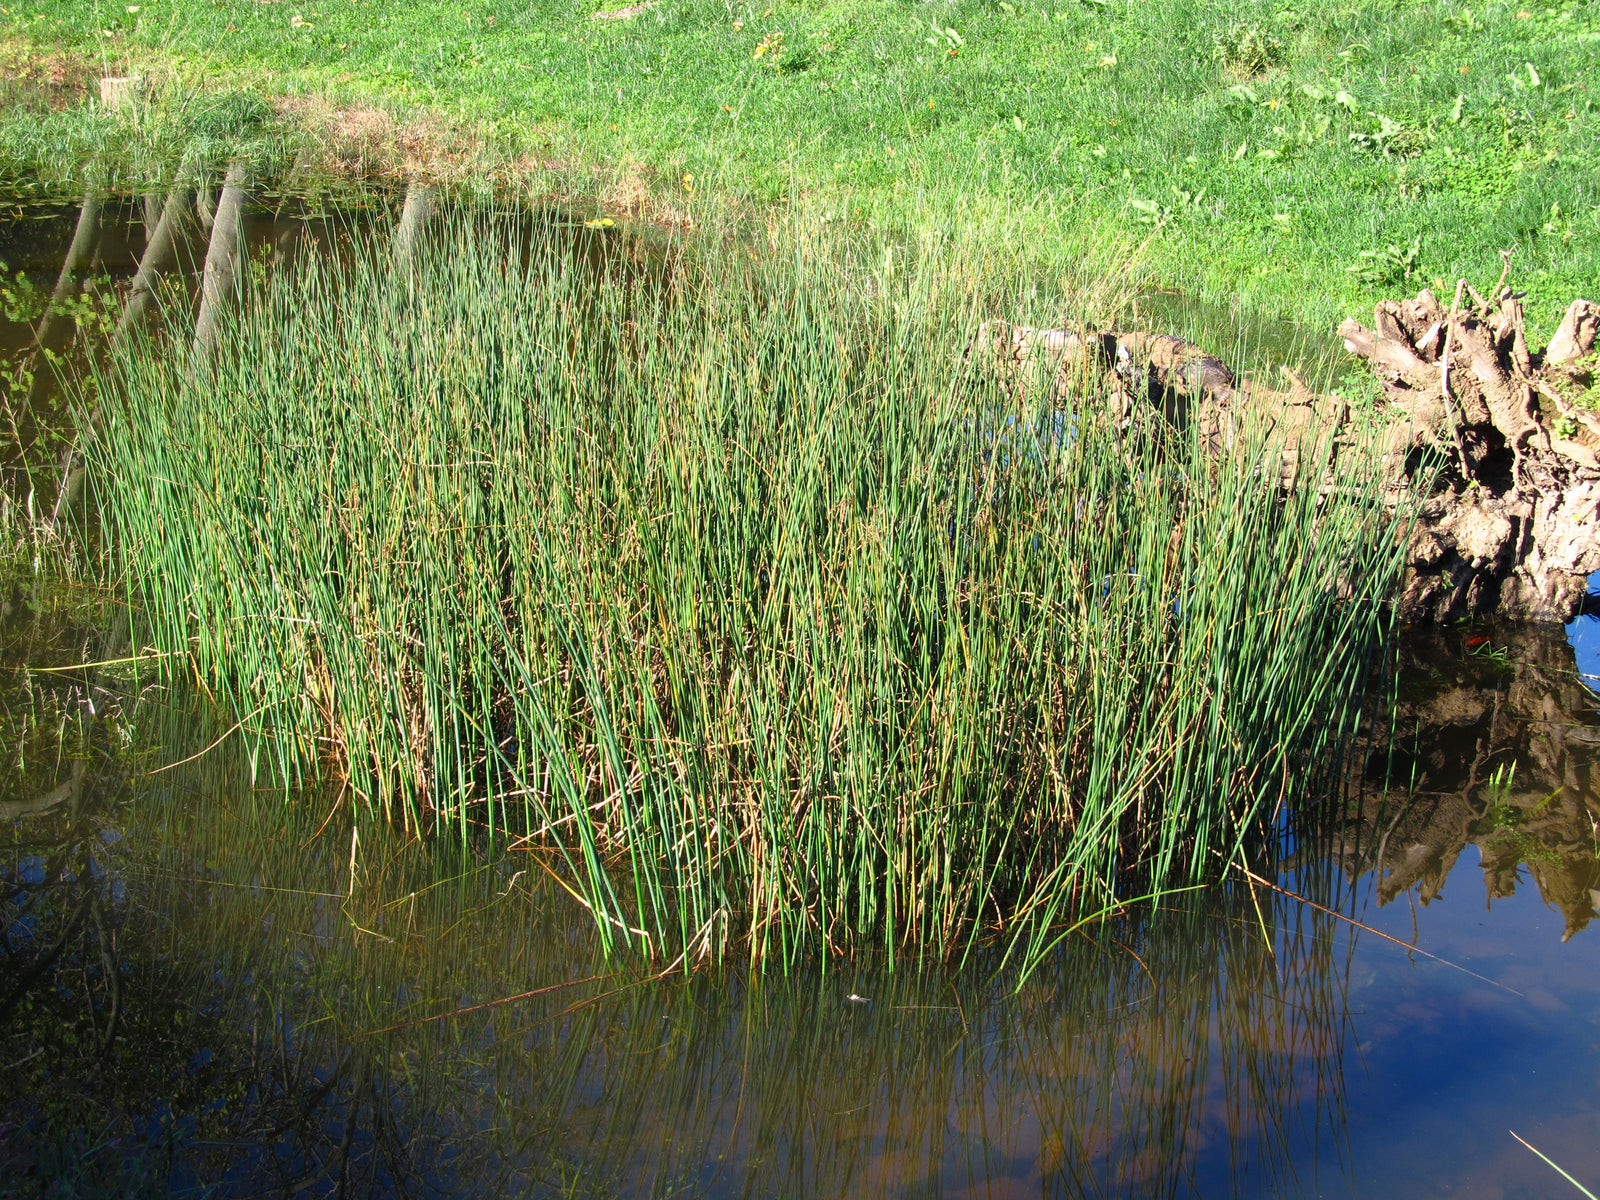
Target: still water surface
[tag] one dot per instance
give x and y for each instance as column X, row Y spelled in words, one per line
column 211, row 989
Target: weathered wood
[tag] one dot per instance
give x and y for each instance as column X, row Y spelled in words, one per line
column 1391, row 355
column 1511, row 529
column 1576, row 335
column 120, row 91
column 1517, row 532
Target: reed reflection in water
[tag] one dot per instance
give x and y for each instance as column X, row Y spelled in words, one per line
column 285, row 1018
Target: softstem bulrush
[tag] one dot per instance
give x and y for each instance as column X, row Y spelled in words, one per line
column 769, row 624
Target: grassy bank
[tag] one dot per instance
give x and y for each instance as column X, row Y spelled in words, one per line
column 729, row 586
column 1263, row 149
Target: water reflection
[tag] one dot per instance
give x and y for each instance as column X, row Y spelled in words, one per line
column 1490, row 740
column 206, row 984
column 1583, row 634
column 74, row 276
column 1239, row 336
column 280, row 1012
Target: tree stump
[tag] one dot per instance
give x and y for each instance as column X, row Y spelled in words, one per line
column 1500, row 436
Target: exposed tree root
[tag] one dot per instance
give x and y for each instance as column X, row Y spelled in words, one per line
column 1512, row 525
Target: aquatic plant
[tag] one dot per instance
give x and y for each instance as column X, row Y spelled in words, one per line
column 735, row 588
column 1559, row 1170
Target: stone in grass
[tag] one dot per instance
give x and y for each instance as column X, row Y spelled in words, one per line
column 622, row 14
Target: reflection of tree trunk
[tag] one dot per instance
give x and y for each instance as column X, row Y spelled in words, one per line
column 205, row 205
column 159, row 256
column 160, row 253
column 152, row 214
column 72, row 481
column 111, row 644
column 54, row 323
column 413, row 216
column 1479, row 741
column 46, row 960
column 222, row 263
column 54, row 327
column 66, row 793
column 106, row 940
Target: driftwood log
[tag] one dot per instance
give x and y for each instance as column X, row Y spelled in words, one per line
column 1511, row 525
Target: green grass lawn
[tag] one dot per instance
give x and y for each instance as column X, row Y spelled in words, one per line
column 1256, row 152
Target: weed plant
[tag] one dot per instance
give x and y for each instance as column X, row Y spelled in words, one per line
column 740, row 589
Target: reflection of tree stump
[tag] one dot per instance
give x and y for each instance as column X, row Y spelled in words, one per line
column 1483, row 742
column 1512, row 525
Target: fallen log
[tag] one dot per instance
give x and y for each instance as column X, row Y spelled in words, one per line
column 1511, row 525
column 1513, row 528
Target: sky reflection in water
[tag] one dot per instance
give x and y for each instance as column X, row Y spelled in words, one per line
column 1583, row 632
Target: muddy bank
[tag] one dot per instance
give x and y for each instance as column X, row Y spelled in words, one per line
column 1504, row 441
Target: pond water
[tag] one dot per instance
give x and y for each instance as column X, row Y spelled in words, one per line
column 209, row 988
column 1242, row 337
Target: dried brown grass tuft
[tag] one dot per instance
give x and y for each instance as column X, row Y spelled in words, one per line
column 374, row 142
column 57, row 78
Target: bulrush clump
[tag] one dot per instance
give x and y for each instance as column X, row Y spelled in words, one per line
column 733, row 593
